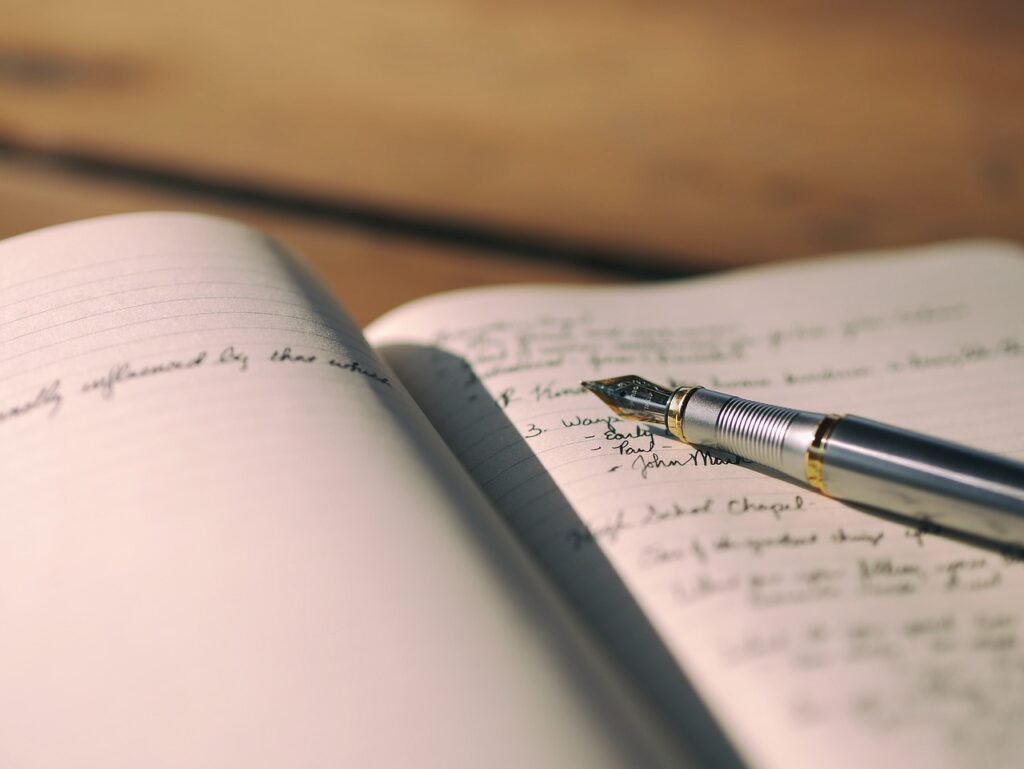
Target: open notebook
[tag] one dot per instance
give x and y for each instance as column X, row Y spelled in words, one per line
column 234, row 532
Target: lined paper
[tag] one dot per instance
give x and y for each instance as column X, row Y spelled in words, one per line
column 229, row 538
column 817, row 635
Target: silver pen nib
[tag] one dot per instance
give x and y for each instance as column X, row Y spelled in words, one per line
column 632, row 397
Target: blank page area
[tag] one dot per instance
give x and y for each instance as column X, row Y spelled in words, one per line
column 228, row 537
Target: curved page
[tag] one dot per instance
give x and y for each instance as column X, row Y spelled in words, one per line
column 228, row 537
column 816, row 634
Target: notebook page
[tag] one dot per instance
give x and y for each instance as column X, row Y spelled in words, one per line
column 228, row 537
column 816, row 634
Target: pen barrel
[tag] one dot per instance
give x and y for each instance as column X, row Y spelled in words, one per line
column 930, row 480
column 866, row 463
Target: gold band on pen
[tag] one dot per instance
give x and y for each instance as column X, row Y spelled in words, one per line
column 814, row 467
column 674, row 414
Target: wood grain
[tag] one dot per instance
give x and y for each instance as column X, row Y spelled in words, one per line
column 369, row 273
column 694, row 132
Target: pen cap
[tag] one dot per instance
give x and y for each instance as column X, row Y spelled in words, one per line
column 926, row 478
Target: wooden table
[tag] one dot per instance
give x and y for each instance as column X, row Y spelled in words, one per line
column 411, row 147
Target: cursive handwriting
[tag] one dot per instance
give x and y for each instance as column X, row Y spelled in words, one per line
column 285, row 355
column 124, row 372
column 696, row 458
column 49, row 396
column 356, row 368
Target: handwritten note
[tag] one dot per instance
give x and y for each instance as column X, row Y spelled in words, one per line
column 818, row 635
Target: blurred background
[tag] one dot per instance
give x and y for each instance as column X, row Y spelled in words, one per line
column 408, row 147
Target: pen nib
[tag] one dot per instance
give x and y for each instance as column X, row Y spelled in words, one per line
column 632, row 397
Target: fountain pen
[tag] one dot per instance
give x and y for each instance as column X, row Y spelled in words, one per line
column 940, row 484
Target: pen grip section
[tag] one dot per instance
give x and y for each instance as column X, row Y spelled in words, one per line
column 773, row 436
column 925, row 478
column 755, row 430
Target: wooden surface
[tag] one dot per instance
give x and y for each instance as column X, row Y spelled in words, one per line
column 680, row 133
column 369, row 272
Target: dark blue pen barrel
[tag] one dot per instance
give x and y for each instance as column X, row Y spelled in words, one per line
column 925, row 478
